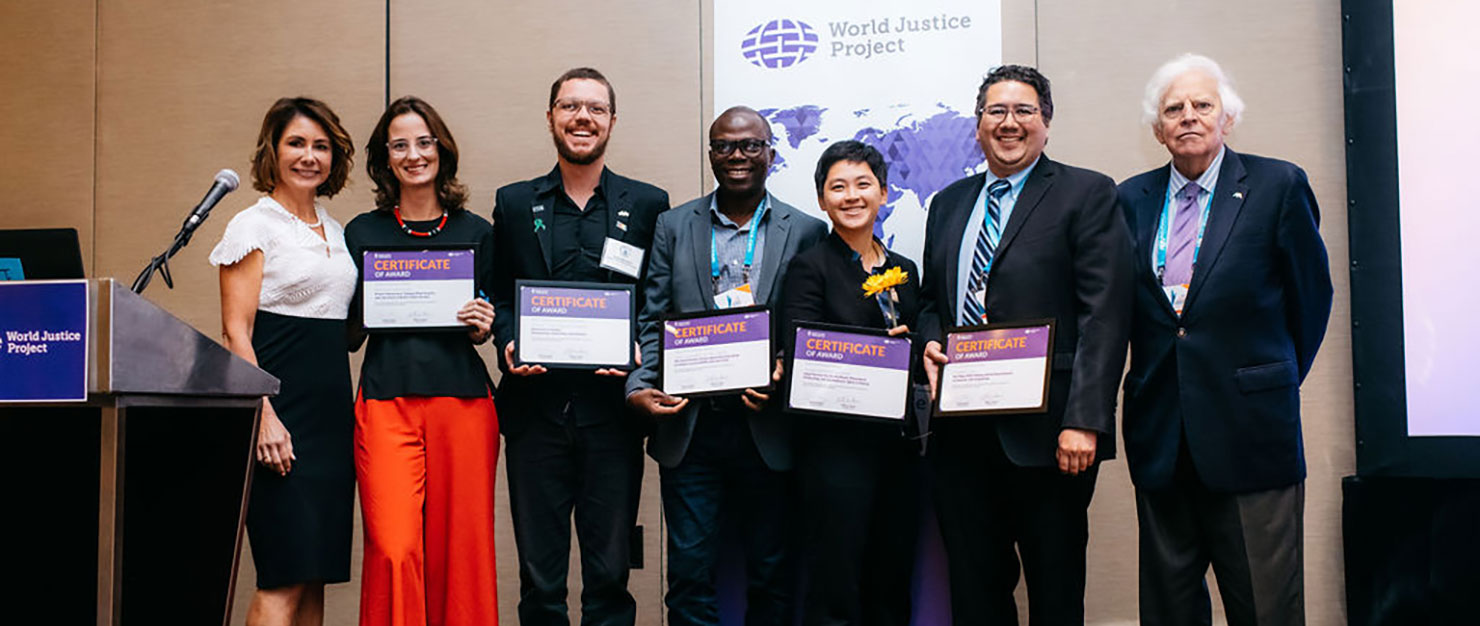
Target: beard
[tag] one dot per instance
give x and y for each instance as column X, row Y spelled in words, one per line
column 578, row 158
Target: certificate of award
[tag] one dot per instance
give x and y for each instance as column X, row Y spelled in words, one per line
column 714, row 353
column 419, row 290
column 849, row 372
column 574, row 325
column 998, row 368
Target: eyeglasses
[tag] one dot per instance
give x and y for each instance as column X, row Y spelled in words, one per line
column 748, row 147
column 597, row 108
column 401, row 147
column 1021, row 112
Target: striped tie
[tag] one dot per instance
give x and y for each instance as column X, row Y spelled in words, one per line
column 974, row 311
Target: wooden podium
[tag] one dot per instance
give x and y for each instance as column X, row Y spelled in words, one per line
column 128, row 508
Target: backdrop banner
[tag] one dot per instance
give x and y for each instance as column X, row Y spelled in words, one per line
column 901, row 77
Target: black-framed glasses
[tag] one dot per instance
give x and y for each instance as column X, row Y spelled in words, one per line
column 748, row 147
column 425, row 144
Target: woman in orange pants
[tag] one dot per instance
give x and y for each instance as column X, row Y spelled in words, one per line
column 426, row 432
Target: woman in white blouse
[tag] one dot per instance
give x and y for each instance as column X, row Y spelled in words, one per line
column 286, row 283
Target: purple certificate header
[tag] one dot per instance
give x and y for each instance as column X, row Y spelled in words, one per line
column 998, row 344
column 574, row 302
column 833, row 346
column 419, row 265
column 717, row 330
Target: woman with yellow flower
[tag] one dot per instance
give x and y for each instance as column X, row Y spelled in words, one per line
column 859, row 479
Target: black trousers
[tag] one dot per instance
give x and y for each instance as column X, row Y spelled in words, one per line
column 594, row 471
column 722, row 480
column 860, row 493
column 992, row 511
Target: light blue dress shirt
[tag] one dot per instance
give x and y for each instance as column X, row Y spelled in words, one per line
column 974, row 228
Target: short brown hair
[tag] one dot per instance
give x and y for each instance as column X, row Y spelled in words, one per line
column 587, row 74
column 451, row 195
column 264, row 160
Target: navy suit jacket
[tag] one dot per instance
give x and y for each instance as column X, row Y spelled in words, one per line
column 1064, row 254
column 522, row 251
column 1227, row 373
column 678, row 281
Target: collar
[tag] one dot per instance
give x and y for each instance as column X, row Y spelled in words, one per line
column 1014, row 180
column 1209, row 179
column 553, row 181
column 717, row 217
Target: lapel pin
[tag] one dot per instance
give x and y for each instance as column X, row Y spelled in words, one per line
column 622, row 213
column 538, row 208
column 622, row 225
column 539, row 225
column 1238, row 195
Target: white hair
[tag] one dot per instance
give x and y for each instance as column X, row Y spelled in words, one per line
column 1233, row 105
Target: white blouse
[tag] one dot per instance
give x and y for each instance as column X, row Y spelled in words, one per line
column 302, row 275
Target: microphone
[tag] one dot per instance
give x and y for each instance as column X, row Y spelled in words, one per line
column 226, row 182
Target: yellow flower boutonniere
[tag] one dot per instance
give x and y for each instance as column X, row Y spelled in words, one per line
column 877, row 283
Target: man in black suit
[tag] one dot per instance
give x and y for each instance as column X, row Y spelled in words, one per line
column 726, row 457
column 1232, row 295
column 572, row 444
column 1030, row 238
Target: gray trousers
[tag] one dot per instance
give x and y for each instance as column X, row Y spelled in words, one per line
column 1254, row 541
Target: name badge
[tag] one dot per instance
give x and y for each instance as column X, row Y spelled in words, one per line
column 1178, row 295
column 622, row 257
column 737, row 297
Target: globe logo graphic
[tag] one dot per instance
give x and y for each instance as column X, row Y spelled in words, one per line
column 779, row 43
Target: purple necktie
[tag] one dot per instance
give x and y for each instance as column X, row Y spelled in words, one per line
column 1182, row 243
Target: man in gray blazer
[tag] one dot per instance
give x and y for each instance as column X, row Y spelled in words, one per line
column 728, row 455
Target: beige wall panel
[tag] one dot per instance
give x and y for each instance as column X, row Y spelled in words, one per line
column 1286, row 60
column 487, row 67
column 182, row 88
column 46, row 117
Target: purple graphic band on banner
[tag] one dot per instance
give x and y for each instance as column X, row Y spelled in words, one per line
column 568, row 302
column 43, row 341
column 718, row 330
column 998, row 344
column 419, row 265
column 831, row 346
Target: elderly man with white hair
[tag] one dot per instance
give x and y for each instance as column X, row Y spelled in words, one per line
column 1233, row 292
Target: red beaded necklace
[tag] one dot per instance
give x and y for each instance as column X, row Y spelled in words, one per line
column 416, row 233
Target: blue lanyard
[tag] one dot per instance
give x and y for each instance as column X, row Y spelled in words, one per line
column 755, row 225
column 1165, row 226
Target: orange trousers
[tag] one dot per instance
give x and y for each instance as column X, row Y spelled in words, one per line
column 426, row 473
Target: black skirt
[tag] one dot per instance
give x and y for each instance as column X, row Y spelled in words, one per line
column 300, row 524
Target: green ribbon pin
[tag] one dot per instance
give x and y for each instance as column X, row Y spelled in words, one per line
column 539, row 224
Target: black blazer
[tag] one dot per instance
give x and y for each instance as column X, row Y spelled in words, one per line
column 1064, row 254
column 678, row 281
column 1229, row 370
column 522, row 252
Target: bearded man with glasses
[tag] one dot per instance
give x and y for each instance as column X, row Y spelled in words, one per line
column 573, row 448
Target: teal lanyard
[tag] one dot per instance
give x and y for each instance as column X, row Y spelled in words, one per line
column 1162, row 233
column 755, row 225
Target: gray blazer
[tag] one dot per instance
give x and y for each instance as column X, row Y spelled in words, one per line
column 678, row 281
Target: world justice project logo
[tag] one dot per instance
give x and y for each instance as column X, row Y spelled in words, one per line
column 779, row 43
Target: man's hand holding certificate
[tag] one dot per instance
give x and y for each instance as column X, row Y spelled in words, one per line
column 574, row 325
column 714, row 354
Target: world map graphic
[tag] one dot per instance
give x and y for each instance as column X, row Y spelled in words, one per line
column 926, row 150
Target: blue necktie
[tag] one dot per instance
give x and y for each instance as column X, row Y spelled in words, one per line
column 974, row 311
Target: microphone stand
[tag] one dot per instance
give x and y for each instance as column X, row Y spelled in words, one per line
column 161, row 262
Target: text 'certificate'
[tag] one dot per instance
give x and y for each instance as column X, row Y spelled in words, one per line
column 575, row 326
column 996, row 370
column 716, row 354
column 416, row 289
column 862, row 374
